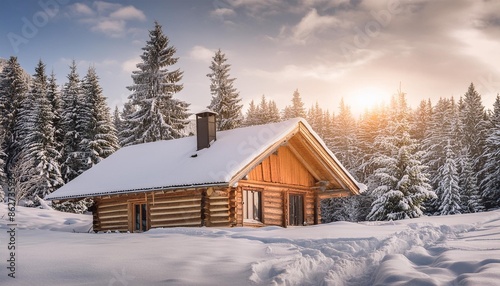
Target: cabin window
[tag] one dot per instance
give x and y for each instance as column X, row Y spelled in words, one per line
column 252, row 207
column 140, row 217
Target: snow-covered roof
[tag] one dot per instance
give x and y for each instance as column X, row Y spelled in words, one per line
column 176, row 163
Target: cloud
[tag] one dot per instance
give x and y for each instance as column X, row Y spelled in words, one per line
column 311, row 24
column 130, row 65
column 81, row 9
column 128, row 13
column 201, row 53
column 222, row 12
column 107, row 18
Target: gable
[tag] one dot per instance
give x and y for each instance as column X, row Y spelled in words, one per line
column 282, row 167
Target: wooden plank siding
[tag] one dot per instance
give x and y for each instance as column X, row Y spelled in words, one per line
column 282, row 167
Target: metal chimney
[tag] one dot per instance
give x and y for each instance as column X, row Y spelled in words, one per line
column 205, row 128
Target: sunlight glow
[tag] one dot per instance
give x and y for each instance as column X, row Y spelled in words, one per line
column 368, row 98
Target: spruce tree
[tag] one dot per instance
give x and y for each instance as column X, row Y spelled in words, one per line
column 54, row 97
column 73, row 125
column 344, row 143
column 471, row 198
column 159, row 115
column 251, row 117
column 39, row 149
column 99, row 139
column 125, row 133
column 448, row 191
column 225, row 98
column 13, row 89
column 296, row 109
column 490, row 185
column 402, row 184
column 3, row 177
column 474, row 132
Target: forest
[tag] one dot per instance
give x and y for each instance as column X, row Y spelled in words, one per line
column 439, row 158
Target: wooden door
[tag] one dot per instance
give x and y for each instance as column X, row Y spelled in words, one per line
column 296, row 210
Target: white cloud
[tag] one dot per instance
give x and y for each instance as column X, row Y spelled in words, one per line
column 128, row 13
column 130, row 65
column 201, row 53
column 310, row 24
column 107, row 18
column 81, row 9
column 222, row 12
column 113, row 28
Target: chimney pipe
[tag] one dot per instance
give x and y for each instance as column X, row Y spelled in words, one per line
column 205, row 128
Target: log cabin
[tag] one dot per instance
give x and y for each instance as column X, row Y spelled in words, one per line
column 272, row 174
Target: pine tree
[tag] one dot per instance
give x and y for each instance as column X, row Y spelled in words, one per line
column 3, row 177
column 471, row 199
column 265, row 112
column 296, row 109
column 125, row 133
column 39, row 149
column 421, row 120
column 345, row 139
column 315, row 118
column 251, row 117
column 54, row 97
column 13, row 89
column 99, row 139
column 436, row 138
column 448, row 190
column 490, row 185
column 159, row 116
column 73, row 125
column 225, row 98
column 474, row 133
column 402, row 184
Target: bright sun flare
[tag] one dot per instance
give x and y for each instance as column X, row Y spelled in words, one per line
column 368, row 98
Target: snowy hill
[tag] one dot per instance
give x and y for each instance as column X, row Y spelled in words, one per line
column 54, row 248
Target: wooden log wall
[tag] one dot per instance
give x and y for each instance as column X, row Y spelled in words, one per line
column 272, row 203
column 181, row 208
column 111, row 214
column 217, row 211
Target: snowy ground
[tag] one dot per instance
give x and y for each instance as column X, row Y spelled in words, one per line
column 54, row 248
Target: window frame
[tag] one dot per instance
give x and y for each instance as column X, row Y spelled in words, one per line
column 255, row 209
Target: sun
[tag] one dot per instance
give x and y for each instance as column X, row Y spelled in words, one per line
column 368, row 98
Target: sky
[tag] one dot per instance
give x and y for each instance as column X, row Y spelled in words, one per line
column 361, row 51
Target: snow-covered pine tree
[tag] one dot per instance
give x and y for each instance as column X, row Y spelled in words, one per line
column 13, row 89
column 421, row 120
column 345, row 142
column 265, row 112
column 225, row 98
column 159, row 116
column 3, row 177
column 273, row 114
column 490, row 185
column 371, row 125
column 99, row 139
column 315, row 118
column 125, row 133
column 40, row 153
column 439, row 132
column 474, row 132
column 297, row 108
column 471, row 199
column 73, row 126
column 54, row 97
column 400, row 179
column 448, row 191
column 251, row 117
